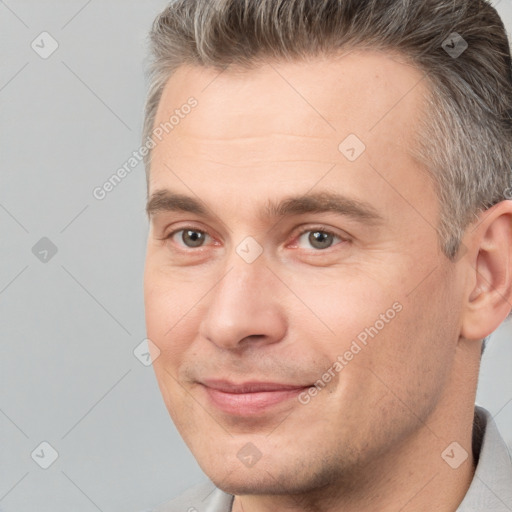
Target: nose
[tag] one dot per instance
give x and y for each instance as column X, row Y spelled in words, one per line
column 244, row 307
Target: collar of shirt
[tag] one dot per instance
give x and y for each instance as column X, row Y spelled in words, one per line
column 491, row 487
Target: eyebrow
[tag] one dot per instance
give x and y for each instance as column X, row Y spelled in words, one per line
column 319, row 202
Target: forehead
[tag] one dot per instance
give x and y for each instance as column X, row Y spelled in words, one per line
column 352, row 88
column 288, row 122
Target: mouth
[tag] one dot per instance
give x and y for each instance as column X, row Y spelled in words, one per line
column 249, row 398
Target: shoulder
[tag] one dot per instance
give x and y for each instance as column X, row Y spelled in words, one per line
column 491, row 488
column 203, row 497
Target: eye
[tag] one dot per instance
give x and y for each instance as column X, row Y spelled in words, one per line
column 191, row 238
column 318, row 238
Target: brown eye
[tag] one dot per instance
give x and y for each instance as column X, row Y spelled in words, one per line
column 318, row 239
column 192, row 237
column 188, row 237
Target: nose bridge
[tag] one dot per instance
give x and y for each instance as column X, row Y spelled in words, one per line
column 237, row 283
column 246, row 272
column 243, row 304
column 242, row 290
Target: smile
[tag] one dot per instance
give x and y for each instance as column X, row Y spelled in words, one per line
column 250, row 398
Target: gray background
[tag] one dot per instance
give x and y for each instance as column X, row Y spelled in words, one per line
column 70, row 324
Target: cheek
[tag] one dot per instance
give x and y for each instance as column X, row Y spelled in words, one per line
column 175, row 399
column 349, row 308
column 377, row 324
column 166, row 321
column 168, row 299
column 413, row 356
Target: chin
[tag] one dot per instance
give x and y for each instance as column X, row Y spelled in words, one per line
column 250, row 482
column 269, row 476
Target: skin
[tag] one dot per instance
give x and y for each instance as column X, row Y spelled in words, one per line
column 373, row 437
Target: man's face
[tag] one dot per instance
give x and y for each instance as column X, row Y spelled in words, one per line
column 257, row 297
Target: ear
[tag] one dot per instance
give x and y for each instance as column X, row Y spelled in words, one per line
column 488, row 298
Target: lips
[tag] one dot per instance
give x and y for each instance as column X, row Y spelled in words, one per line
column 249, row 398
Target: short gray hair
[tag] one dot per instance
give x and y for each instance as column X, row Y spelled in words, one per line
column 465, row 136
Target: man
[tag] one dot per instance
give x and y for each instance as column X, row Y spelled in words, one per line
column 330, row 242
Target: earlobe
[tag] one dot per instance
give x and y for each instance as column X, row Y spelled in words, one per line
column 489, row 299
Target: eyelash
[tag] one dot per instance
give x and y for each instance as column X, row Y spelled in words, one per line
column 321, row 229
